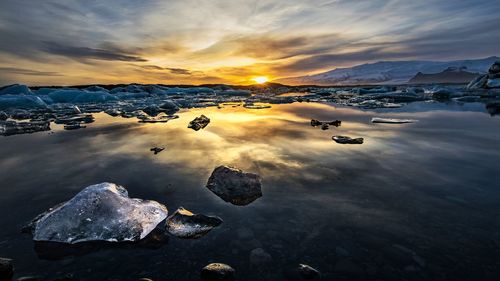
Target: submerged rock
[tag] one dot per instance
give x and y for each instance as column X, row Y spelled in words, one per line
column 303, row 272
column 217, row 272
column 6, row 269
column 259, row 256
column 234, row 185
column 199, row 123
column 157, row 150
column 347, row 140
column 8, row 128
column 101, row 212
column 392, row 120
column 184, row 224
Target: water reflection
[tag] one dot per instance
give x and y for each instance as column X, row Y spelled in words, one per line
column 427, row 187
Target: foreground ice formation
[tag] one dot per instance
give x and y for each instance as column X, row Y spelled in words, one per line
column 347, row 140
column 8, row 128
column 234, row 185
column 101, row 212
column 392, row 120
column 217, row 272
column 184, row 224
column 199, row 123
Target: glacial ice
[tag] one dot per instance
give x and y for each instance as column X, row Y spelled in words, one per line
column 392, row 120
column 101, row 212
column 16, row 89
column 184, row 224
column 8, row 128
column 80, row 96
column 21, row 101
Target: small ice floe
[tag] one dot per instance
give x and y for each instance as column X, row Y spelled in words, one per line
column 157, row 149
column 217, row 272
column 8, row 128
column 74, row 126
column 347, row 140
column 199, row 123
column 101, row 212
column 235, row 186
column 392, row 120
column 158, row 119
column 184, row 224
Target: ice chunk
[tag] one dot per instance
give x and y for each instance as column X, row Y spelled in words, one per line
column 21, row 101
column 218, row 272
column 16, row 89
column 199, row 122
column 347, row 140
column 392, row 120
column 80, row 96
column 101, row 212
column 8, row 128
column 184, row 224
column 96, row 89
column 493, row 83
column 235, row 186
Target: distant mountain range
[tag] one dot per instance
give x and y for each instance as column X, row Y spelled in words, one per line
column 398, row 72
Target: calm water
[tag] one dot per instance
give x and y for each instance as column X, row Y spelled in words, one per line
column 414, row 202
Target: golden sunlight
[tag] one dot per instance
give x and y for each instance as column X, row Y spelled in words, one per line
column 260, row 79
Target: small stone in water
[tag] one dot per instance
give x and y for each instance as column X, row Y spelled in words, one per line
column 234, row 185
column 347, row 140
column 217, row 272
column 6, row 269
column 157, row 150
column 184, row 224
column 199, row 123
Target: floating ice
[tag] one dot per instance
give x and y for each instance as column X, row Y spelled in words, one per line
column 235, row 186
column 347, row 140
column 199, row 122
column 184, row 224
column 101, row 212
column 392, row 120
column 8, row 128
column 80, row 96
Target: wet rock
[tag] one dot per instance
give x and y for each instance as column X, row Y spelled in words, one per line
column 6, row 269
column 101, row 212
column 316, row 123
column 8, row 128
column 234, row 185
column 199, row 123
column 303, row 272
column 259, row 256
column 347, row 140
column 392, row 120
column 157, row 150
column 184, row 224
column 218, row 272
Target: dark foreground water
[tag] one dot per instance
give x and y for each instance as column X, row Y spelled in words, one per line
column 414, row 202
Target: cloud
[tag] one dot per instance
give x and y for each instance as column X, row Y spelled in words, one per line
column 113, row 54
column 29, row 72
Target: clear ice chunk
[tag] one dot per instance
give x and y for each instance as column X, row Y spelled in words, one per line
column 101, row 212
column 184, row 224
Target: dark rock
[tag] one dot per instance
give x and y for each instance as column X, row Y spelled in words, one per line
column 217, row 272
column 493, row 108
column 335, row 123
column 315, row 123
column 184, row 224
column 234, row 185
column 199, row 123
column 6, row 269
column 259, row 256
column 347, row 140
column 157, row 150
column 324, row 126
column 303, row 272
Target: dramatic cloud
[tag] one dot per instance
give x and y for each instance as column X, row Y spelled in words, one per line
column 198, row 41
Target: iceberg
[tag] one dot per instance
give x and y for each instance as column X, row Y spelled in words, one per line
column 21, row 101
column 100, row 212
column 8, row 128
column 16, row 89
column 184, row 224
column 80, row 96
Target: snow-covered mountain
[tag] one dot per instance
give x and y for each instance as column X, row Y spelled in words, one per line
column 387, row 72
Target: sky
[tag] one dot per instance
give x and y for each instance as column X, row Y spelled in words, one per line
column 69, row 42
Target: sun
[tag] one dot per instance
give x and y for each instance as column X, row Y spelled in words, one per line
column 260, row 79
